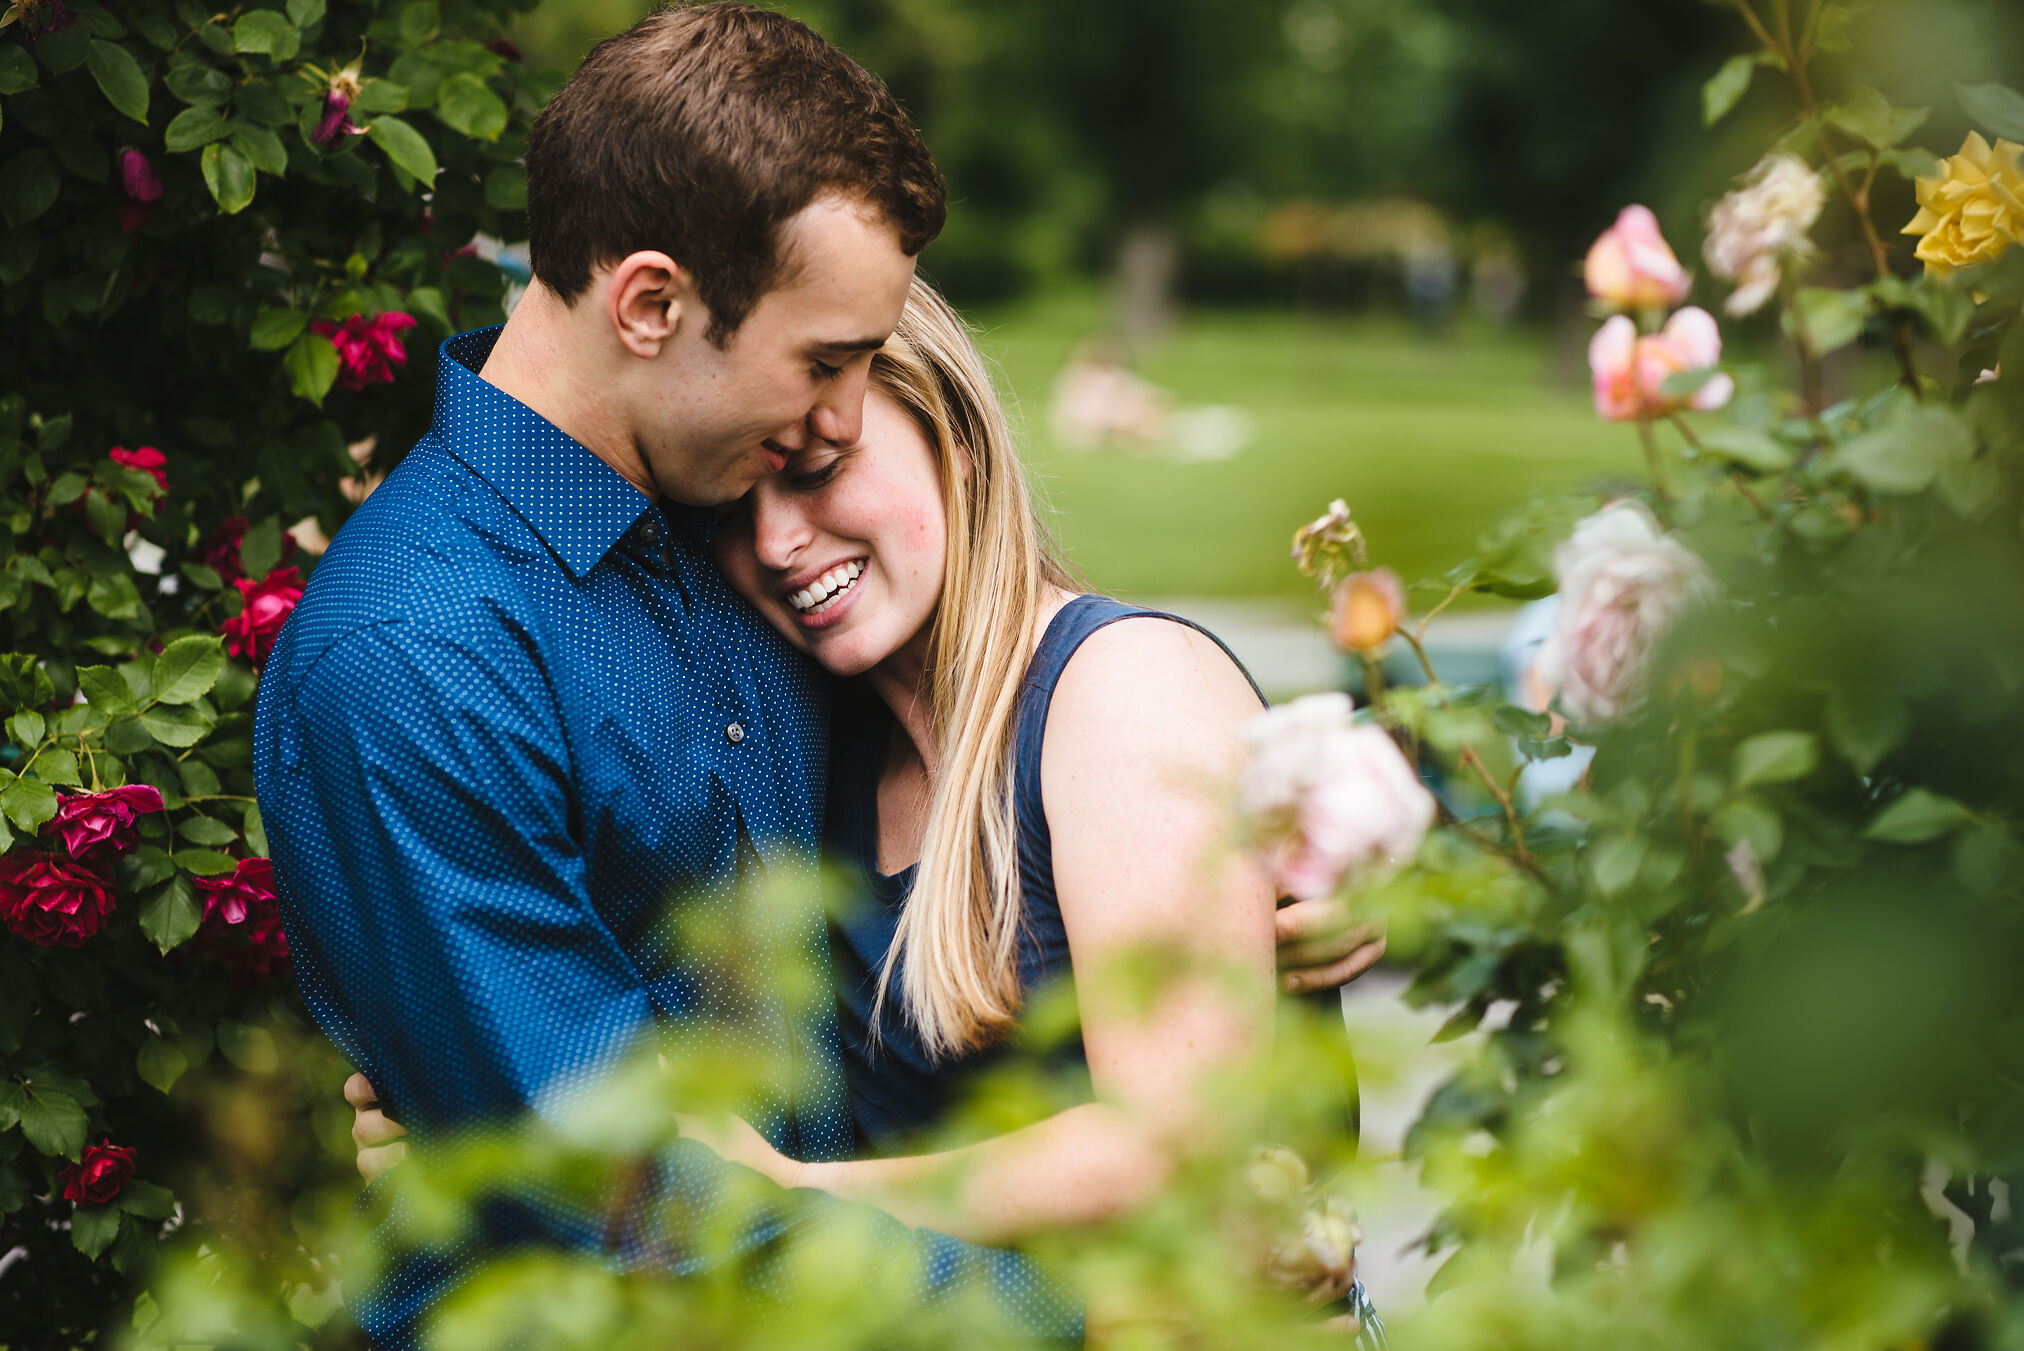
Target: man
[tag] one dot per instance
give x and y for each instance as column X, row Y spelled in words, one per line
column 517, row 709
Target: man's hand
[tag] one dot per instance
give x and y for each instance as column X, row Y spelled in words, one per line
column 377, row 1135
column 1319, row 949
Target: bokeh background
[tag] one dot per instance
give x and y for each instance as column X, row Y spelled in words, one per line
column 1340, row 238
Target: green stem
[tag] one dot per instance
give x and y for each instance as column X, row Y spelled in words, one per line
column 1654, row 461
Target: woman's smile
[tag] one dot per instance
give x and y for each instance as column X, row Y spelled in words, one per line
column 820, row 601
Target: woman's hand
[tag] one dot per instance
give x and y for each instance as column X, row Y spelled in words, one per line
column 377, row 1135
column 1320, row 949
column 737, row 1142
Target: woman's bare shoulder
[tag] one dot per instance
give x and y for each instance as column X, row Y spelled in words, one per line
column 1149, row 683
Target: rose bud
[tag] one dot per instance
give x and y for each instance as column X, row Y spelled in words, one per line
column 53, row 902
column 268, row 603
column 142, row 186
column 100, row 1175
column 1631, row 267
column 1367, row 610
column 88, row 821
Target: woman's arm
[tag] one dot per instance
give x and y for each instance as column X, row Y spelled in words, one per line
column 1142, row 740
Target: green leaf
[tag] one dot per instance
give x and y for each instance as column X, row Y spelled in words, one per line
column 52, row 1120
column 506, row 188
column 112, row 594
column 1863, row 725
column 187, row 669
column 1917, row 816
column 1867, row 114
column 1827, row 319
column 1752, row 819
column 58, row 767
column 120, row 79
column 29, row 185
column 198, row 83
column 1750, row 449
column 1907, row 453
column 1996, row 108
column 1726, row 87
column 260, row 547
column 311, row 363
column 148, row 866
column 418, row 22
column 380, row 96
column 261, row 147
column 205, row 862
column 1514, row 721
column 248, row 1046
column 202, row 577
column 403, row 146
column 93, row 1228
column 17, row 70
column 28, row 803
column 229, row 176
column 1776, row 757
column 303, row 13
column 206, row 830
column 175, row 726
column 160, row 1062
column 106, row 689
column 172, row 914
column 256, row 831
column 275, row 329
column 26, row 727
column 1613, row 862
column 199, row 124
column 467, row 104
column 146, row 1199
column 262, row 32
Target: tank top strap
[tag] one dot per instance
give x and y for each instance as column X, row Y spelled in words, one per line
column 1070, row 628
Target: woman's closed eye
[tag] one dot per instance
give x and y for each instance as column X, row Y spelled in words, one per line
column 816, row 475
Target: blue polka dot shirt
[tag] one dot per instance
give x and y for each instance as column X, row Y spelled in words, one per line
column 516, row 739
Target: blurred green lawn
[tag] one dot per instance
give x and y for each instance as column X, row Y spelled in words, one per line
column 1430, row 439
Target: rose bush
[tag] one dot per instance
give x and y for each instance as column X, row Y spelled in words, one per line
column 218, row 232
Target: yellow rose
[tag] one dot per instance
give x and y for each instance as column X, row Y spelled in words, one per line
column 1972, row 211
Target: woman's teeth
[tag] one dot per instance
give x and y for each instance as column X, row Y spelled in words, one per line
column 823, row 592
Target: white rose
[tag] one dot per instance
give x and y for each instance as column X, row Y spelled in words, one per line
column 1623, row 583
column 1329, row 801
column 1756, row 228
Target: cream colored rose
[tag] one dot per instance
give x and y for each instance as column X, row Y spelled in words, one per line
column 1972, row 211
column 1754, row 230
column 1623, row 584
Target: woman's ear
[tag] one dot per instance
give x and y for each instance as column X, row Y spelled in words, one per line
column 647, row 299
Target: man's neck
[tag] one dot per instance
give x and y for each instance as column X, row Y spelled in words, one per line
column 542, row 359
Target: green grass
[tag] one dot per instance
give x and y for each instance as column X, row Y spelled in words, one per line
column 1430, row 439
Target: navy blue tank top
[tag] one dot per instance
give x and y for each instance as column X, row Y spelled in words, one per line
column 896, row 1090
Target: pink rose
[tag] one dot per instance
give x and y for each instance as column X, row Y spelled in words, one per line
column 88, row 821
column 1632, row 267
column 142, row 186
column 1631, row 371
column 100, row 1175
column 367, row 349
column 242, row 923
column 220, row 549
column 1623, row 584
column 268, row 603
column 1330, row 802
column 57, row 903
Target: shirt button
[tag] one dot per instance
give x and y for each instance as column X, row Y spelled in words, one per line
column 735, row 733
column 650, row 531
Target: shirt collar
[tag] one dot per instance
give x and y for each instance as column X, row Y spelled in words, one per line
column 579, row 505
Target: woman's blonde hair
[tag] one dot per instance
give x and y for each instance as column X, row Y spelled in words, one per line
column 956, row 949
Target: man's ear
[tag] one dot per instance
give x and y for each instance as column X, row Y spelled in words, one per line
column 648, row 297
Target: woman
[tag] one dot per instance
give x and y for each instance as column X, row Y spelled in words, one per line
column 1026, row 779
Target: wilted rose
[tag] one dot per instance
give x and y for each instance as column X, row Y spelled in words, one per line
column 367, row 349
column 1971, row 211
column 1623, row 584
column 88, row 821
column 1329, row 801
column 1329, row 545
column 54, row 902
column 142, row 187
column 100, row 1174
column 1630, row 371
column 1367, row 609
column 1631, row 267
column 268, row 603
column 1754, row 230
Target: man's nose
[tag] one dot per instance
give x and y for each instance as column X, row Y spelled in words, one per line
column 838, row 416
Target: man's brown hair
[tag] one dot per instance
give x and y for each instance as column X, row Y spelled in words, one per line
column 699, row 132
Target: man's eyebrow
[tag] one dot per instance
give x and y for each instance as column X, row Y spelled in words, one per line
column 851, row 345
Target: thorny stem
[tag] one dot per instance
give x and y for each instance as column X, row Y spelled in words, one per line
column 1412, row 640
column 1497, row 790
column 1453, row 595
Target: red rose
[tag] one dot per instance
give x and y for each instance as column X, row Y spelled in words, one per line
column 55, row 902
column 220, row 549
column 367, row 349
column 144, row 458
column 100, row 1175
column 251, row 632
column 143, row 188
column 87, row 821
column 242, row 923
